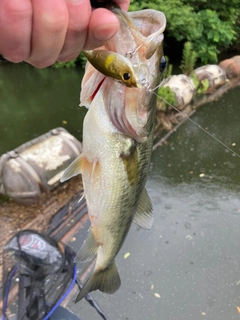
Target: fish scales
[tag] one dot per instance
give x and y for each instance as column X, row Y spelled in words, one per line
column 117, row 141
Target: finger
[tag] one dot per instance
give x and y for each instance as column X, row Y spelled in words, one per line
column 124, row 4
column 15, row 26
column 79, row 15
column 50, row 21
column 102, row 27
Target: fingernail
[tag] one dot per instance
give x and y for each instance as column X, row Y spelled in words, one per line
column 76, row 1
column 105, row 32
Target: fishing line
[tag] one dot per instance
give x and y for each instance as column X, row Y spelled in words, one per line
column 195, row 123
column 131, row 53
column 146, row 85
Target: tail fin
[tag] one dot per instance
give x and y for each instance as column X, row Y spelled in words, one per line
column 107, row 281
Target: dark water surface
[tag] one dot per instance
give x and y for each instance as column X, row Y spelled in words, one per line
column 188, row 266
column 34, row 101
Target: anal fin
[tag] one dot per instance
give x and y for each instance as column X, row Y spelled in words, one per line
column 143, row 215
column 89, row 248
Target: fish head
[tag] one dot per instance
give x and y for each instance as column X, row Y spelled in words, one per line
column 122, row 72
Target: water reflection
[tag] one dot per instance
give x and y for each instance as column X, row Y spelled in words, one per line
column 35, row 101
column 191, row 153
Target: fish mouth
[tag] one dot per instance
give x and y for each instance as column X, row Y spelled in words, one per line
column 128, row 104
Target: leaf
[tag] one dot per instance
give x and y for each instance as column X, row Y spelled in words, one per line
column 127, row 255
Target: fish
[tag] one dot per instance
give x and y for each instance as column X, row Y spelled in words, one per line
column 117, row 140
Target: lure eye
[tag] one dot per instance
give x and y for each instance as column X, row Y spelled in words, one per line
column 163, row 64
column 126, row 76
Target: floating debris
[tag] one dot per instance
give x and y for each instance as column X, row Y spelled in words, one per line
column 152, row 286
column 157, row 295
column 126, row 255
column 201, row 175
column 64, row 122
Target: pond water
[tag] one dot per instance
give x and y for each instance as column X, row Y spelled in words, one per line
column 187, row 267
column 35, row 101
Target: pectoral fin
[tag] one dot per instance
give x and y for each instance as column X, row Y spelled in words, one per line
column 79, row 165
column 89, row 248
column 143, row 215
column 73, row 169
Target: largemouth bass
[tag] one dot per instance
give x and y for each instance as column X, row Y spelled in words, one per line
column 117, row 140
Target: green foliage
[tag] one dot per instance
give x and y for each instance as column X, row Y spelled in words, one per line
column 216, row 34
column 189, row 58
column 169, row 70
column 80, row 60
column 204, row 85
column 68, row 64
column 194, row 79
column 211, row 26
column 167, row 98
column 4, row 198
column 201, row 86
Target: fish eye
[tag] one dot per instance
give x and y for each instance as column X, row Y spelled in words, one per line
column 126, row 76
column 163, row 64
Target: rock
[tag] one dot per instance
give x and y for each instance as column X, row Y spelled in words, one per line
column 215, row 75
column 183, row 88
column 231, row 67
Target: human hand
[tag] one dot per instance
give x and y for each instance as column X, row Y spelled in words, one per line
column 41, row 32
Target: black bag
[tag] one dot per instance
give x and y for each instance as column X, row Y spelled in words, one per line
column 41, row 272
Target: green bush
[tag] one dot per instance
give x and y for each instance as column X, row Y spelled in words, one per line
column 167, row 98
column 211, row 26
column 80, row 60
column 189, row 58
